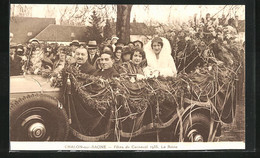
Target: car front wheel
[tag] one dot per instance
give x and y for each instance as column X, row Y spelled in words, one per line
column 38, row 117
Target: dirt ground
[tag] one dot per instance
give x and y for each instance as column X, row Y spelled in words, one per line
column 236, row 130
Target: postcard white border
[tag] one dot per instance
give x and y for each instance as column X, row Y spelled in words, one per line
column 109, row 146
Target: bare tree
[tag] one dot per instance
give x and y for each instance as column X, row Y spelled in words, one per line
column 21, row 10
column 63, row 13
column 78, row 14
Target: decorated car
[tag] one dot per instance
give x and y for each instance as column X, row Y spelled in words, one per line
column 189, row 107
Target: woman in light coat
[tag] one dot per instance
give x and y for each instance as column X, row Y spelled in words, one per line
column 159, row 59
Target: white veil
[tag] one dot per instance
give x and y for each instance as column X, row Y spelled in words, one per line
column 165, row 64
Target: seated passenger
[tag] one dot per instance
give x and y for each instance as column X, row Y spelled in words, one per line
column 81, row 56
column 159, row 59
column 103, row 49
column 106, row 63
column 134, row 66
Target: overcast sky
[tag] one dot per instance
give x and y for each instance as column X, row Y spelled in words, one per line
column 157, row 13
column 161, row 13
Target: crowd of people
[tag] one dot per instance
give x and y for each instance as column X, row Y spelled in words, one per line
column 110, row 59
column 113, row 58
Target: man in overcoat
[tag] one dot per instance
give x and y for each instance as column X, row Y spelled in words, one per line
column 81, row 56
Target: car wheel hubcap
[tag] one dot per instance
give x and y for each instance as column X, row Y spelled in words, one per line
column 37, row 130
column 195, row 136
column 198, row 138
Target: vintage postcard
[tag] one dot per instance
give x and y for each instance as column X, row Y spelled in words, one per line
column 127, row 77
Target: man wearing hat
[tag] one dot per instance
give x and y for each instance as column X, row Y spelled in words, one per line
column 15, row 62
column 92, row 52
column 34, row 41
column 74, row 45
column 33, row 45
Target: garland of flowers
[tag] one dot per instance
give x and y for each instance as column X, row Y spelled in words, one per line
column 135, row 97
column 94, row 91
column 132, row 96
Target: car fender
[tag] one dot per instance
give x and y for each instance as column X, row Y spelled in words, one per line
column 29, row 84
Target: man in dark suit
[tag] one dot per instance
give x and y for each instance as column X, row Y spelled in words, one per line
column 106, row 62
column 81, row 56
column 92, row 52
column 15, row 62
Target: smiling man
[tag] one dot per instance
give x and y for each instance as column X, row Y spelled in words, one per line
column 81, row 56
column 106, row 63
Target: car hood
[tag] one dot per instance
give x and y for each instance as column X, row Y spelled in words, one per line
column 30, row 83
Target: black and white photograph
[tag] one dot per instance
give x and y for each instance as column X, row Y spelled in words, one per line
column 126, row 77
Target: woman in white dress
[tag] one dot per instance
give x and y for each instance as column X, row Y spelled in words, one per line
column 159, row 59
